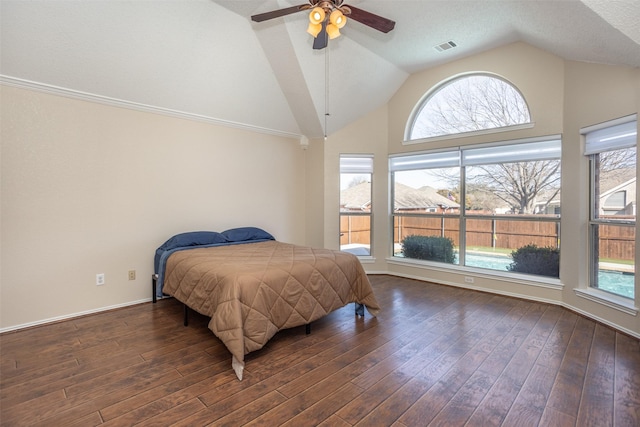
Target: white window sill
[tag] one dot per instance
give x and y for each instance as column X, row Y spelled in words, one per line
column 622, row 304
column 540, row 281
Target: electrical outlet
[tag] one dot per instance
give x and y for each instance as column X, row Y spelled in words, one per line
column 100, row 279
column 468, row 279
column 132, row 275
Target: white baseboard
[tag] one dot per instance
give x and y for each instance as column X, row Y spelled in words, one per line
column 603, row 321
column 71, row 316
column 408, row 276
column 521, row 296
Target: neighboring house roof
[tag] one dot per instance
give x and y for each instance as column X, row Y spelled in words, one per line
column 420, row 198
column 356, row 197
column 604, row 194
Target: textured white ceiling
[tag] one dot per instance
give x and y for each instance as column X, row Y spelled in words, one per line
column 623, row 15
column 207, row 58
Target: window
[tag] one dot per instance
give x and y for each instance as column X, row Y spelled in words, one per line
column 425, row 202
column 509, row 220
column 611, row 149
column 355, row 204
column 493, row 206
column 466, row 104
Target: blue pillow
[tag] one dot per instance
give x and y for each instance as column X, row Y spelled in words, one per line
column 193, row 238
column 243, row 234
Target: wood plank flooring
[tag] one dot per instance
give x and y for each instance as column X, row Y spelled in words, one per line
column 435, row 356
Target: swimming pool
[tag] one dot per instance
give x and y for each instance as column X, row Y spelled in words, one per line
column 608, row 280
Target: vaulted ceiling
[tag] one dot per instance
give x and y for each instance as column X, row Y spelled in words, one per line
column 206, row 59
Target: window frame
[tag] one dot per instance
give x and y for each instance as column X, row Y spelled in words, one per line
column 594, row 146
column 357, row 164
column 431, row 93
column 468, row 156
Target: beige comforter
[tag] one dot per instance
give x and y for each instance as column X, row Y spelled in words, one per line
column 253, row 290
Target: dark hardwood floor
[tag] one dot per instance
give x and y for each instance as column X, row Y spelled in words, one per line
column 436, row 355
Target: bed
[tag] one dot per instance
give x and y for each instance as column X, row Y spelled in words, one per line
column 252, row 286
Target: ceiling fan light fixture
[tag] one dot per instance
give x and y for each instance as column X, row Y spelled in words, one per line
column 317, row 15
column 337, row 18
column 314, row 29
column 333, row 31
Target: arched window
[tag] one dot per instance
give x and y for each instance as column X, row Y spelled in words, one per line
column 468, row 103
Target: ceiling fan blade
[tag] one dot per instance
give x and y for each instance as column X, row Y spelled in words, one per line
column 322, row 39
column 371, row 19
column 278, row 13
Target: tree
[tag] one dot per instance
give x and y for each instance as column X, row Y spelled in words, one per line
column 357, row 180
column 480, row 197
column 520, row 185
column 470, row 103
column 616, row 164
column 449, row 194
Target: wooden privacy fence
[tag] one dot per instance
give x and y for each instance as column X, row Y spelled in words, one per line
column 615, row 242
column 481, row 232
column 355, row 229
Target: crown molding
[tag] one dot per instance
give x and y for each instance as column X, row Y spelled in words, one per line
column 114, row 102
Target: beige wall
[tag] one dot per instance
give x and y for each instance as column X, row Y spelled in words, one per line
column 89, row 188
column 365, row 136
column 563, row 96
column 314, row 194
column 538, row 75
column 594, row 94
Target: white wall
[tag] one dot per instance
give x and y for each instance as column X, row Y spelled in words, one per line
column 89, row 188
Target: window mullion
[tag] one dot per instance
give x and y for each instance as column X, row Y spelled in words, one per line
column 462, row 247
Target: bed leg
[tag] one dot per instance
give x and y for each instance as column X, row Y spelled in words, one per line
column 307, row 328
column 186, row 315
column 154, row 285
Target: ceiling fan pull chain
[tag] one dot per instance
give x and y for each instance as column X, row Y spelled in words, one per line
column 326, row 90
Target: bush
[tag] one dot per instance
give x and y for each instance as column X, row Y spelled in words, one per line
column 531, row 259
column 432, row 248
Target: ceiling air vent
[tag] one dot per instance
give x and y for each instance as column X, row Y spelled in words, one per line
column 445, row 46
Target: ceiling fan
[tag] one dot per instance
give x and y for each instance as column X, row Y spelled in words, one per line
column 327, row 17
